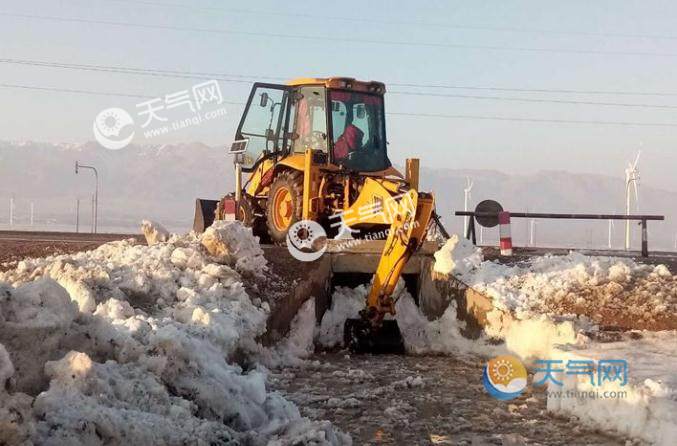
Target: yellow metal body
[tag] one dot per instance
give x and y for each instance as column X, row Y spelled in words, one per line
column 369, row 199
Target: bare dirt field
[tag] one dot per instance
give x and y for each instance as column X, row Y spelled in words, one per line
column 18, row 245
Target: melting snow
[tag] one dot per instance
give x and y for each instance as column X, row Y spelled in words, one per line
column 137, row 344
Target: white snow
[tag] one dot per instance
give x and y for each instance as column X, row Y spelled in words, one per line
column 300, row 342
column 137, row 344
column 457, row 256
column 419, row 334
column 154, row 232
column 551, row 284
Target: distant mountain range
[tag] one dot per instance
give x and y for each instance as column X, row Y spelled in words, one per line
column 161, row 182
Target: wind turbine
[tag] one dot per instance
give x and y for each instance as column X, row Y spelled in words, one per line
column 611, row 230
column 466, row 199
column 532, row 227
column 631, row 177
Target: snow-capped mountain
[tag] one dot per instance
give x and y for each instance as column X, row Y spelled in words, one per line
column 162, row 181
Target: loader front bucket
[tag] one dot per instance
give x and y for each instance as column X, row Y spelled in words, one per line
column 360, row 337
column 205, row 212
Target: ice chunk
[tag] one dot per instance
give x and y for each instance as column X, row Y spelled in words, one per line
column 458, row 257
column 154, row 232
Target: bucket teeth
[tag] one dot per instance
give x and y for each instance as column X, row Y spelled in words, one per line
column 360, row 336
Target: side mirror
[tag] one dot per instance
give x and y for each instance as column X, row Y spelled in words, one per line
column 264, row 99
column 360, row 111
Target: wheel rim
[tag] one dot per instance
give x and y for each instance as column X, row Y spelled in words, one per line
column 282, row 209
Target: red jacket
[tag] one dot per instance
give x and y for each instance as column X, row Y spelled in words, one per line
column 350, row 141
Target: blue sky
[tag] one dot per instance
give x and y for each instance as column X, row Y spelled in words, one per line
column 591, row 46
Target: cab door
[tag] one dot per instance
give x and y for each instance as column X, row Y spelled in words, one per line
column 264, row 123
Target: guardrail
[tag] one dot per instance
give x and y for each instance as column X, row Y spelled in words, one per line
column 494, row 215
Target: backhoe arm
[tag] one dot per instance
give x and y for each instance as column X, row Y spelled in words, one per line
column 411, row 214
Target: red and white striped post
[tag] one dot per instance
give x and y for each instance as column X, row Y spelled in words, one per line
column 504, row 233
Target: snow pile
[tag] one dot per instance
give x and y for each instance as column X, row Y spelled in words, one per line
column 458, row 256
column 140, row 347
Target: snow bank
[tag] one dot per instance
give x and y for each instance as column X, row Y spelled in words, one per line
column 138, row 344
column 545, row 306
column 576, row 283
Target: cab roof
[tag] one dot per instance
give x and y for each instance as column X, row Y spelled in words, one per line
column 344, row 83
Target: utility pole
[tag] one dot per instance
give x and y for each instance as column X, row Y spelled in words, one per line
column 77, row 215
column 532, row 227
column 93, row 214
column 611, row 228
column 11, row 211
column 32, row 212
column 95, row 200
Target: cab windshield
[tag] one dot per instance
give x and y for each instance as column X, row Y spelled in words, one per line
column 358, row 131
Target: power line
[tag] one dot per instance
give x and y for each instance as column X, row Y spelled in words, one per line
column 535, row 90
column 424, row 115
column 536, row 100
column 70, row 90
column 135, row 71
column 338, row 39
column 358, row 19
column 216, row 76
column 227, row 77
column 90, row 92
column 551, row 121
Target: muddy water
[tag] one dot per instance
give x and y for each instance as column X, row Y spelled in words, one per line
column 409, row 400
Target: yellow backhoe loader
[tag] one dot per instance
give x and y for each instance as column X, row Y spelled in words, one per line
column 315, row 149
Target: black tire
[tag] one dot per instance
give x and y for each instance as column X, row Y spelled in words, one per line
column 291, row 183
column 247, row 213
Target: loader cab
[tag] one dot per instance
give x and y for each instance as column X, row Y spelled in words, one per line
column 341, row 117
